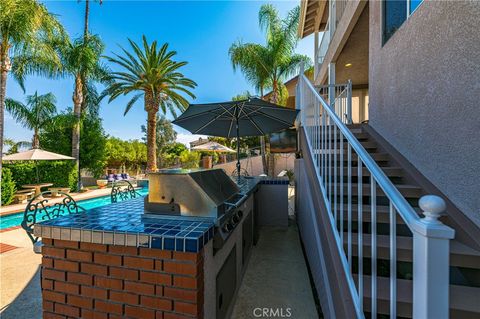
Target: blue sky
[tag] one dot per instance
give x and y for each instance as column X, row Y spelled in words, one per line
column 200, row 31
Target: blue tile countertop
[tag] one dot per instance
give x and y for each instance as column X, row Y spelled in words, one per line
column 123, row 224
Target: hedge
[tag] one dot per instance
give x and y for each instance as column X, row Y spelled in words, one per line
column 7, row 186
column 60, row 173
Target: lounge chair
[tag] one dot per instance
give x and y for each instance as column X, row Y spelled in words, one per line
column 39, row 210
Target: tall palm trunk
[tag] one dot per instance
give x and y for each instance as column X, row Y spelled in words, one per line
column 271, row 157
column 85, row 25
column 36, row 139
column 77, row 111
column 5, row 67
column 152, row 108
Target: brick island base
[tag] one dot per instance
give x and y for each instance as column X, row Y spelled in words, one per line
column 87, row 280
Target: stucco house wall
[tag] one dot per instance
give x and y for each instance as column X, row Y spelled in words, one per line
column 425, row 94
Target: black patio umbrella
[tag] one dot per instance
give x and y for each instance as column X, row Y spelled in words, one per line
column 251, row 117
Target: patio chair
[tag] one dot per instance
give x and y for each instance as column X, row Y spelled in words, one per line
column 122, row 190
column 39, row 210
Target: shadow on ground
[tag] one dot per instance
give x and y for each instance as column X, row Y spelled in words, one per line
column 28, row 303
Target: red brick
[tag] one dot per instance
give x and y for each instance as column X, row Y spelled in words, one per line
column 186, row 308
column 108, row 307
column 106, row 259
column 159, row 265
column 158, row 315
column 169, row 315
column 137, row 262
column 66, row 287
column 82, row 279
column 93, row 292
column 93, row 247
column 108, row 283
column 158, row 290
column 80, row 302
column 140, row 288
column 67, row 265
column 155, row 278
column 140, row 313
column 53, row 296
column 155, row 253
column 47, row 262
column 77, row 255
column 182, row 268
column 90, row 314
column 53, row 252
column 94, row 269
column 186, row 282
column 47, row 284
column 112, row 316
column 67, row 310
column 47, row 241
column 49, row 315
column 124, row 297
column 66, row 244
column 123, row 273
column 195, row 257
column 156, row 303
column 47, row 306
column 53, row 274
column 180, row 294
column 123, row 250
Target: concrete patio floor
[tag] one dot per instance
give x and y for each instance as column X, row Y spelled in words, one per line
column 276, row 279
column 19, row 278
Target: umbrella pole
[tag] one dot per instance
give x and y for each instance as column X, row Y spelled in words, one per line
column 36, row 169
column 238, row 148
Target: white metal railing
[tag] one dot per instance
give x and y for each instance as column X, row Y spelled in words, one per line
column 341, row 96
column 334, row 151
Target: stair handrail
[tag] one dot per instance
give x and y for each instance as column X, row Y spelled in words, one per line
column 431, row 236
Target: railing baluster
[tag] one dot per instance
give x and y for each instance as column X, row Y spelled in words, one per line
column 349, row 207
column 341, row 181
column 330, row 165
column 335, row 181
column 373, row 225
column 393, row 262
column 360, row 233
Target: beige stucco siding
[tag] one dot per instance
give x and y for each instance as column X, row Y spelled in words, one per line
column 425, row 94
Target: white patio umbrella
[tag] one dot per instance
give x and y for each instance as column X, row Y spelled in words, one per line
column 36, row 154
column 213, row 147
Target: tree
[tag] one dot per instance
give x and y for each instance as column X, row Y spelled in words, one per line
column 27, row 32
column 189, row 159
column 81, row 60
column 126, row 154
column 58, row 138
column 14, row 147
column 35, row 114
column 165, row 135
column 269, row 65
column 158, row 78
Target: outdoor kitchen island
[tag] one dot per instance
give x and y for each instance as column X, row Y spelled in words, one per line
column 134, row 259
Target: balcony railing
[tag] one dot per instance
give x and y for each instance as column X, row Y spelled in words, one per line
column 332, row 145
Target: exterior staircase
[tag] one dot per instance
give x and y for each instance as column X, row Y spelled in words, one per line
column 464, row 256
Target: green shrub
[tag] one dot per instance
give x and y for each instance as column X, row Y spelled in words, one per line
column 7, row 186
column 60, row 173
column 189, row 159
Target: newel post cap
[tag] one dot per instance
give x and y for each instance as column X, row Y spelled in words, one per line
column 433, row 207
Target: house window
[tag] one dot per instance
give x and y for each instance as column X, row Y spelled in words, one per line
column 395, row 12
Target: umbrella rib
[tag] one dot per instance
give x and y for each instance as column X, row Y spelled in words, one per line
column 275, row 118
column 213, row 120
column 254, row 123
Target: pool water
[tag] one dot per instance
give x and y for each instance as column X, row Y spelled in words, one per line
column 16, row 219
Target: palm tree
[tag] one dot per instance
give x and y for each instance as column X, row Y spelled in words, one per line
column 15, row 146
column 158, row 78
column 269, row 65
column 81, row 60
column 35, row 114
column 27, row 31
column 86, row 18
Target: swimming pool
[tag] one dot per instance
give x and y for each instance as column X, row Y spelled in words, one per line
column 16, row 219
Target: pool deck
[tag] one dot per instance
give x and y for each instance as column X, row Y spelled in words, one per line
column 17, row 208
